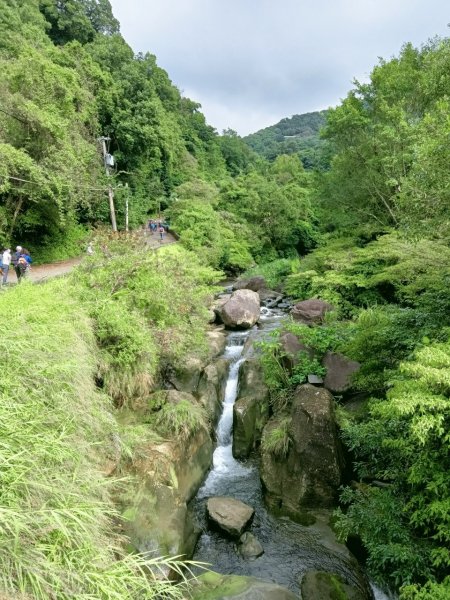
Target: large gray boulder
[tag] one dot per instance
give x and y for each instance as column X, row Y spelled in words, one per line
column 308, row 476
column 252, row 283
column 251, row 409
column 340, row 370
column 229, row 515
column 241, row 311
column 233, row 587
column 310, row 312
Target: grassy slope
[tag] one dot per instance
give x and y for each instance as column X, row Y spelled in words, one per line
column 57, row 532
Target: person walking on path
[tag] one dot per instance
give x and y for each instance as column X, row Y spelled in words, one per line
column 15, row 261
column 6, row 261
column 24, row 263
column 161, row 233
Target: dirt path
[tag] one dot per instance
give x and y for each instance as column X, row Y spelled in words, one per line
column 43, row 272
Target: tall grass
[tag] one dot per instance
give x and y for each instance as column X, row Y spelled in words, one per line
column 58, row 524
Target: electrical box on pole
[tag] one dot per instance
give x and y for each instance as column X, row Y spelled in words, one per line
column 108, row 161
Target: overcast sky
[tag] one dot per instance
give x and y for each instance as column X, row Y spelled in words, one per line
column 250, row 63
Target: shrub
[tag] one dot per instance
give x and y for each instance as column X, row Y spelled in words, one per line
column 181, row 420
column 276, row 439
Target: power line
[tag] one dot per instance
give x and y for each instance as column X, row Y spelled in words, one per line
column 62, row 184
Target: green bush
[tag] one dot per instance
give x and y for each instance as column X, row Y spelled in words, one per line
column 274, row 272
column 404, row 442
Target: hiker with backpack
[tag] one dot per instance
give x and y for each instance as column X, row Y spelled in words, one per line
column 161, row 233
column 21, row 261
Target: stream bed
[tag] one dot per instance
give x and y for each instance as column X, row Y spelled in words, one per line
column 290, row 549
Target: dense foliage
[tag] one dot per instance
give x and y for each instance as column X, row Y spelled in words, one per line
column 383, row 262
column 368, row 232
column 299, row 135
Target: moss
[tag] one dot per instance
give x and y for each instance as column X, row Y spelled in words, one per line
column 213, row 585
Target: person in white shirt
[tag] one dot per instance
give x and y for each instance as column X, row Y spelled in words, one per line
column 6, row 261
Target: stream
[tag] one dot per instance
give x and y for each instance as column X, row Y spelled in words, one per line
column 290, row 549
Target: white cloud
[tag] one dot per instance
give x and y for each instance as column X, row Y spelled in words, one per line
column 251, row 62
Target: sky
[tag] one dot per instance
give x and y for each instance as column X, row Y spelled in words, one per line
column 250, row 63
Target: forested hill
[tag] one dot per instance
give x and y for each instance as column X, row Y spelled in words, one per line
column 68, row 78
column 296, row 134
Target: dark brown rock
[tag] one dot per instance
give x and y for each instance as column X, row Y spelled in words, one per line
column 339, row 372
column 309, row 475
column 291, row 347
column 310, row 312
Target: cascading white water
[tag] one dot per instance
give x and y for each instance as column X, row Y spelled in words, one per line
column 224, row 465
column 290, row 549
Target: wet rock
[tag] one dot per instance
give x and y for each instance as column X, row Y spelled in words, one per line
column 250, row 546
column 228, row 514
column 233, row 587
column 242, row 310
column 310, row 312
column 211, row 387
column 309, row 475
column 251, row 409
column 252, row 283
column 269, row 298
column 249, row 417
column 320, row 585
column 339, row 372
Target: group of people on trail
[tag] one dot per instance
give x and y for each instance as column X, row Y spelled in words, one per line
column 20, row 260
column 158, row 226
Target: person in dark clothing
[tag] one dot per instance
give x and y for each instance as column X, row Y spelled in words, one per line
column 15, row 262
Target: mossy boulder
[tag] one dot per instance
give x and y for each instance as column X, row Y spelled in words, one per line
column 308, row 473
column 211, row 388
column 251, row 409
column 250, row 414
column 213, row 586
column 185, row 377
column 319, row 585
column 158, row 521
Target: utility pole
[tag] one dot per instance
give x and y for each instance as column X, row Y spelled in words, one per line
column 109, row 161
column 126, row 207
